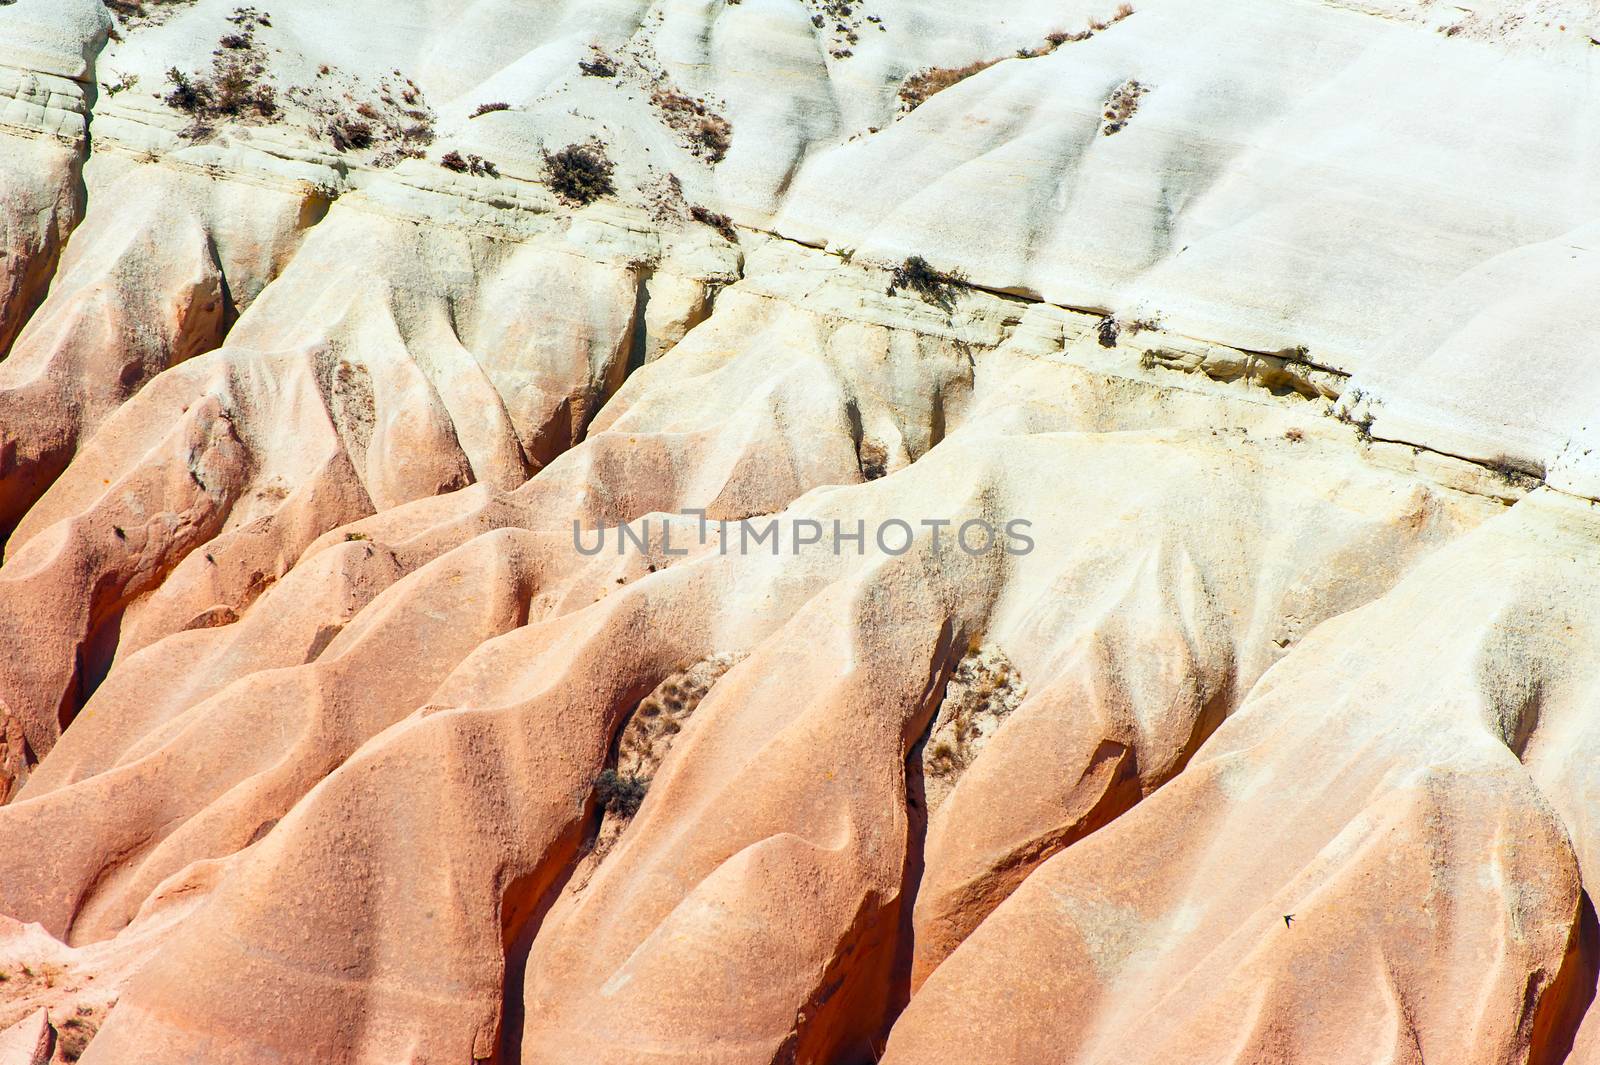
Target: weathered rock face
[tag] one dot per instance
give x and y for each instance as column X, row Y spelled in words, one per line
column 789, row 531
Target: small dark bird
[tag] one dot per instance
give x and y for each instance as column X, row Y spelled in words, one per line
column 1288, row 919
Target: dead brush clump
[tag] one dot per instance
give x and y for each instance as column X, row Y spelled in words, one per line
column 918, row 276
column 719, row 222
column 619, row 794
column 984, row 690
column 708, row 134
column 347, row 133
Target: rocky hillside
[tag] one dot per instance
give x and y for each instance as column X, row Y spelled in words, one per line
column 799, row 531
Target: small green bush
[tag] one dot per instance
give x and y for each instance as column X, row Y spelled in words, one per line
column 618, row 793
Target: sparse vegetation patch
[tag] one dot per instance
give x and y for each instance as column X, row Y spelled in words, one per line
column 238, row 86
column 661, row 715
column 984, row 690
column 486, row 109
column 701, row 128
column 842, row 22
column 1120, row 106
column 663, row 194
column 708, row 134
column 925, row 84
column 643, row 745
column 391, row 119
column 123, row 83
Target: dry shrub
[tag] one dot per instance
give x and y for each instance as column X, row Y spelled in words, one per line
column 984, row 690
column 238, row 86
column 598, row 65
column 580, row 173
column 917, row 275
column 719, row 222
